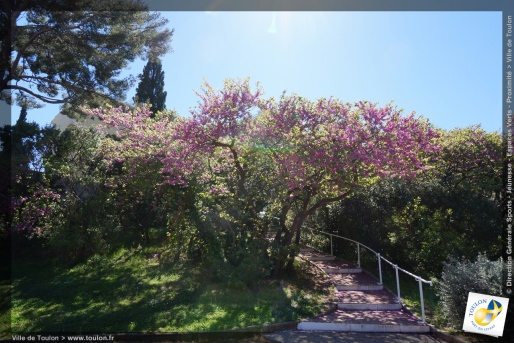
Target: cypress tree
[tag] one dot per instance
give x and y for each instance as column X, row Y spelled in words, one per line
column 151, row 87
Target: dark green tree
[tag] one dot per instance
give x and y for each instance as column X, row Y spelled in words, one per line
column 151, row 87
column 21, row 165
column 72, row 52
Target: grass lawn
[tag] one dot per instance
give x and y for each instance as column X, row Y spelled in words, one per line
column 130, row 291
column 5, row 302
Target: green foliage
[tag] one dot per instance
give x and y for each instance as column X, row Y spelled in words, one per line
column 23, row 146
column 74, row 167
column 80, row 234
column 417, row 224
column 469, row 158
column 181, row 228
column 428, row 234
column 57, row 206
column 246, row 264
column 461, row 277
column 434, row 239
column 21, row 157
column 5, row 309
column 75, row 164
column 225, row 227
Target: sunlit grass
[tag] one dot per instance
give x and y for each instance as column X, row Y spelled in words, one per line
column 131, row 292
column 5, row 311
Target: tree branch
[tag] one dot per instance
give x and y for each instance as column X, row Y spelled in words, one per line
column 325, row 201
column 39, row 96
column 44, row 80
column 62, row 84
column 239, row 167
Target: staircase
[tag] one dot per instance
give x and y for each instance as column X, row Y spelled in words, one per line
column 363, row 303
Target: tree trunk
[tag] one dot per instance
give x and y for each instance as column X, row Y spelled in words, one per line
column 147, row 235
column 285, row 263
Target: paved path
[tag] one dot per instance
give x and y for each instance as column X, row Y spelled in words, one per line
column 348, row 337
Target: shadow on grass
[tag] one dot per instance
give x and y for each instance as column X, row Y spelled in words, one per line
column 99, row 296
column 136, row 294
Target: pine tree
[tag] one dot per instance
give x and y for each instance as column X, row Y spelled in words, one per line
column 151, row 87
column 72, row 52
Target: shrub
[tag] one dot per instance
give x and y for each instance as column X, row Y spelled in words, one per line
column 461, row 277
column 244, row 265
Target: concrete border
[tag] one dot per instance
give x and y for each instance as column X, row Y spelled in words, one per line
column 205, row 336
column 267, row 328
column 444, row 335
column 354, row 327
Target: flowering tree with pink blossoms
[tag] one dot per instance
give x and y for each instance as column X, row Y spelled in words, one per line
column 324, row 150
column 36, row 214
column 285, row 158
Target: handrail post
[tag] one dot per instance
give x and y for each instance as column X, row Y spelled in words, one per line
column 380, row 268
column 397, row 282
column 358, row 255
column 422, row 301
column 395, row 266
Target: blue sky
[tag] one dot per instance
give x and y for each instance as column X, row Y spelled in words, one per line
column 445, row 66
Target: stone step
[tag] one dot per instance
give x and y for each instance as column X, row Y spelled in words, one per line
column 365, row 321
column 321, row 258
column 337, row 266
column 367, row 297
column 363, row 303
column 368, row 300
column 359, row 287
column 317, row 256
column 304, row 250
column 336, row 263
column 355, row 282
column 342, row 270
column 370, row 307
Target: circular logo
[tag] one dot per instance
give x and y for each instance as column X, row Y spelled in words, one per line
column 485, row 316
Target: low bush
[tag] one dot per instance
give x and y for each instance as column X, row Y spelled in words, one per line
column 461, row 277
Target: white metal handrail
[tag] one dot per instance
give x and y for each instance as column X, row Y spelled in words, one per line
column 379, row 259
